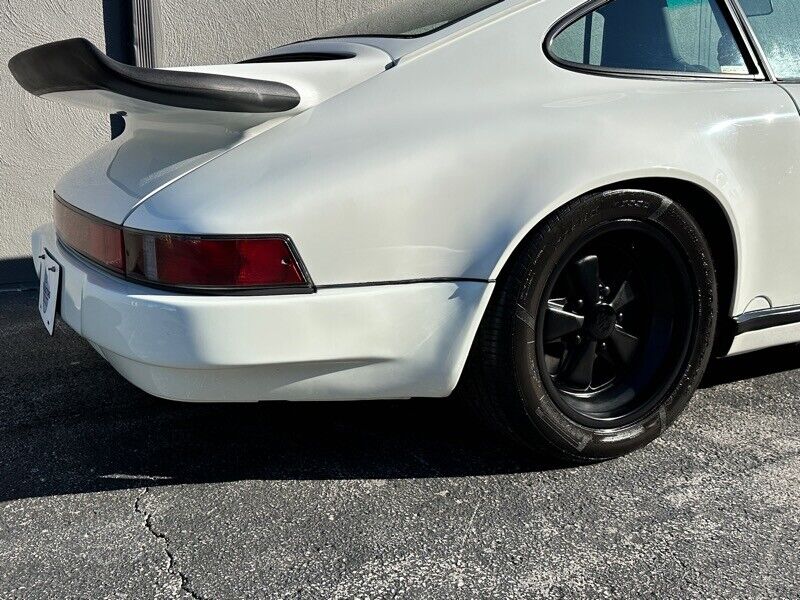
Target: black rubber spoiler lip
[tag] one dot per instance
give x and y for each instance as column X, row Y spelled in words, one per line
column 76, row 64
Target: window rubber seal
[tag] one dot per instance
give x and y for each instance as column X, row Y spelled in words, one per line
column 729, row 12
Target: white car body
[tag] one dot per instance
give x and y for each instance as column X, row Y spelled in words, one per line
column 405, row 191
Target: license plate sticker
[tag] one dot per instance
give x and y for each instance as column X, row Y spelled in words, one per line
column 49, row 280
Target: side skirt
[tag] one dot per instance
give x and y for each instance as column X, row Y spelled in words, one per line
column 767, row 318
column 766, row 328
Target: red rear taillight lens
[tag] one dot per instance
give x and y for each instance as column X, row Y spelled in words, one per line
column 97, row 240
column 204, row 262
column 197, row 262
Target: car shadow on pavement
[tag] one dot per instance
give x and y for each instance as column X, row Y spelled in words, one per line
column 751, row 365
column 70, row 424
column 129, row 439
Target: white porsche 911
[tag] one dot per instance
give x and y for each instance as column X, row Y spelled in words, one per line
column 568, row 207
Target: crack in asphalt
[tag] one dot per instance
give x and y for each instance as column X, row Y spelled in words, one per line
column 185, row 586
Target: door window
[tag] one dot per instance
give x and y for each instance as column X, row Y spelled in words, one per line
column 680, row 36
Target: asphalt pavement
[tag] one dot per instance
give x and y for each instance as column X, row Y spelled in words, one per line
column 106, row 492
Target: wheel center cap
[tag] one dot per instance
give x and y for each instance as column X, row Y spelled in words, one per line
column 602, row 321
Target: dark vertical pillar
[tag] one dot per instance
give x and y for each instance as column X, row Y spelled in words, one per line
column 131, row 36
column 118, row 25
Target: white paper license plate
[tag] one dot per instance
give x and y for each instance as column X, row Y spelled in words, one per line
column 48, row 291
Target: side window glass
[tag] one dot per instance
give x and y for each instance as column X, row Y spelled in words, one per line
column 681, row 36
column 776, row 24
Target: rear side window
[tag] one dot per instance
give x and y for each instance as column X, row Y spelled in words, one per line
column 676, row 36
column 776, row 24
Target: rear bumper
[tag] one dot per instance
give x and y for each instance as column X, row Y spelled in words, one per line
column 389, row 341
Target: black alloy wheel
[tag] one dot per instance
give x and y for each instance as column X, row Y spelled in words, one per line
column 600, row 328
column 614, row 322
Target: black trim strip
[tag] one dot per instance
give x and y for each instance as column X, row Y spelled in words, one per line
column 76, row 64
column 291, row 57
column 766, row 319
column 334, row 286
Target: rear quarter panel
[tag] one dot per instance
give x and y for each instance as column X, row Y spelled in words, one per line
column 440, row 166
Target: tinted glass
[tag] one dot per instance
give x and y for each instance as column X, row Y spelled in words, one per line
column 411, row 18
column 777, row 27
column 682, row 36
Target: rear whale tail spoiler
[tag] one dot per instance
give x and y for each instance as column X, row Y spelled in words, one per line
column 70, row 68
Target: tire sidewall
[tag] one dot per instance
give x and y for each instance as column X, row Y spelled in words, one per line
column 540, row 412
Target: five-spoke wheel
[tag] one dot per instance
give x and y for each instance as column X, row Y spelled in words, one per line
column 616, row 307
column 588, row 327
column 601, row 327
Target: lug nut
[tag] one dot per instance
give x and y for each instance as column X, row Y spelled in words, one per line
column 619, row 317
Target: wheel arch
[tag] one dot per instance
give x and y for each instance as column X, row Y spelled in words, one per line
column 714, row 221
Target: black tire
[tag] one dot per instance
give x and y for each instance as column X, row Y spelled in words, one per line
column 533, row 387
